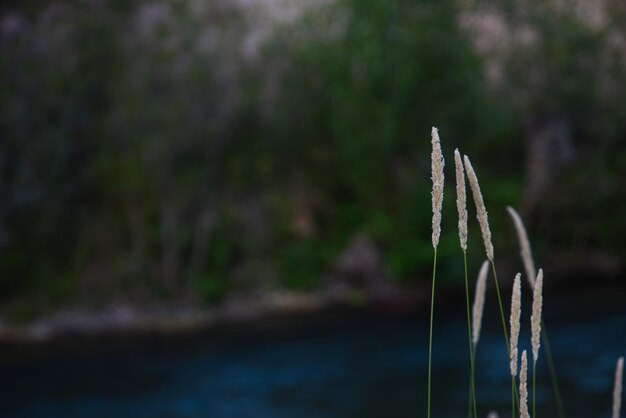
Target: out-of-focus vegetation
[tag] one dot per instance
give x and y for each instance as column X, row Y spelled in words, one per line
column 190, row 149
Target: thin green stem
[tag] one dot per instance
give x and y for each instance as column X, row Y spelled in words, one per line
column 512, row 396
column 469, row 336
column 506, row 334
column 534, row 376
column 553, row 378
column 430, row 338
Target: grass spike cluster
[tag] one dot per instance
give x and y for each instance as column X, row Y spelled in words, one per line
column 464, row 167
column 516, row 312
column 535, row 323
column 529, row 267
column 514, row 320
column 523, row 388
column 437, row 164
column 535, row 318
column 461, row 206
column 479, row 302
column 461, row 199
column 524, row 245
column 483, row 221
column 481, row 210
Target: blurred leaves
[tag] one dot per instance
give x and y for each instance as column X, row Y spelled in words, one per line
column 150, row 151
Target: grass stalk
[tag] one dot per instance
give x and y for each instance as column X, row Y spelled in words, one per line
column 513, row 396
column 430, row 337
column 534, row 380
column 437, row 164
column 506, row 334
column 551, row 369
column 471, row 400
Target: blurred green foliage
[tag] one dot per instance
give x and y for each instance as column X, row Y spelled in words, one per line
column 143, row 156
column 356, row 116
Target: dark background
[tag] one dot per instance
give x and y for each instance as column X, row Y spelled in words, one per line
column 188, row 152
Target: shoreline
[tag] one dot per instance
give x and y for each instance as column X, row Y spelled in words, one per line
column 124, row 325
column 81, row 329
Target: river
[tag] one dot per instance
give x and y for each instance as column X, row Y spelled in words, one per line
column 361, row 366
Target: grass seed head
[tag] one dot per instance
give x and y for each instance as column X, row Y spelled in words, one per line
column 437, row 164
column 617, row 387
column 481, row 210
column 535, row 317
column 479, row 301
column 516, row 311
column 523, row 388
column 524, row 245
column 461, row 199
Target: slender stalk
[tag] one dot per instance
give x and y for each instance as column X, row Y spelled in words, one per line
column 512, row 396
column 506, row 334
column 534, row 379
column 553, row 377
column 430, row 338
column 437, row 164
column 469, row 336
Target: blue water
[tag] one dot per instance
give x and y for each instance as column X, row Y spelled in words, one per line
column 359, row 367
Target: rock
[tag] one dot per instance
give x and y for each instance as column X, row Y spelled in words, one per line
column 360, row 268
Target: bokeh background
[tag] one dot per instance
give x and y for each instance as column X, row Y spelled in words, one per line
column 167, row 165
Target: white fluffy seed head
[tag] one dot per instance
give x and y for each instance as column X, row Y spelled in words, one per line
column 493, row 414
column 437, row 164
column 461, row 199
column 524, row 246
column 535, row 317
column 481, row 210
column 479, row 301
column 617, row 387
column 523, row 389
column 516, row 311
